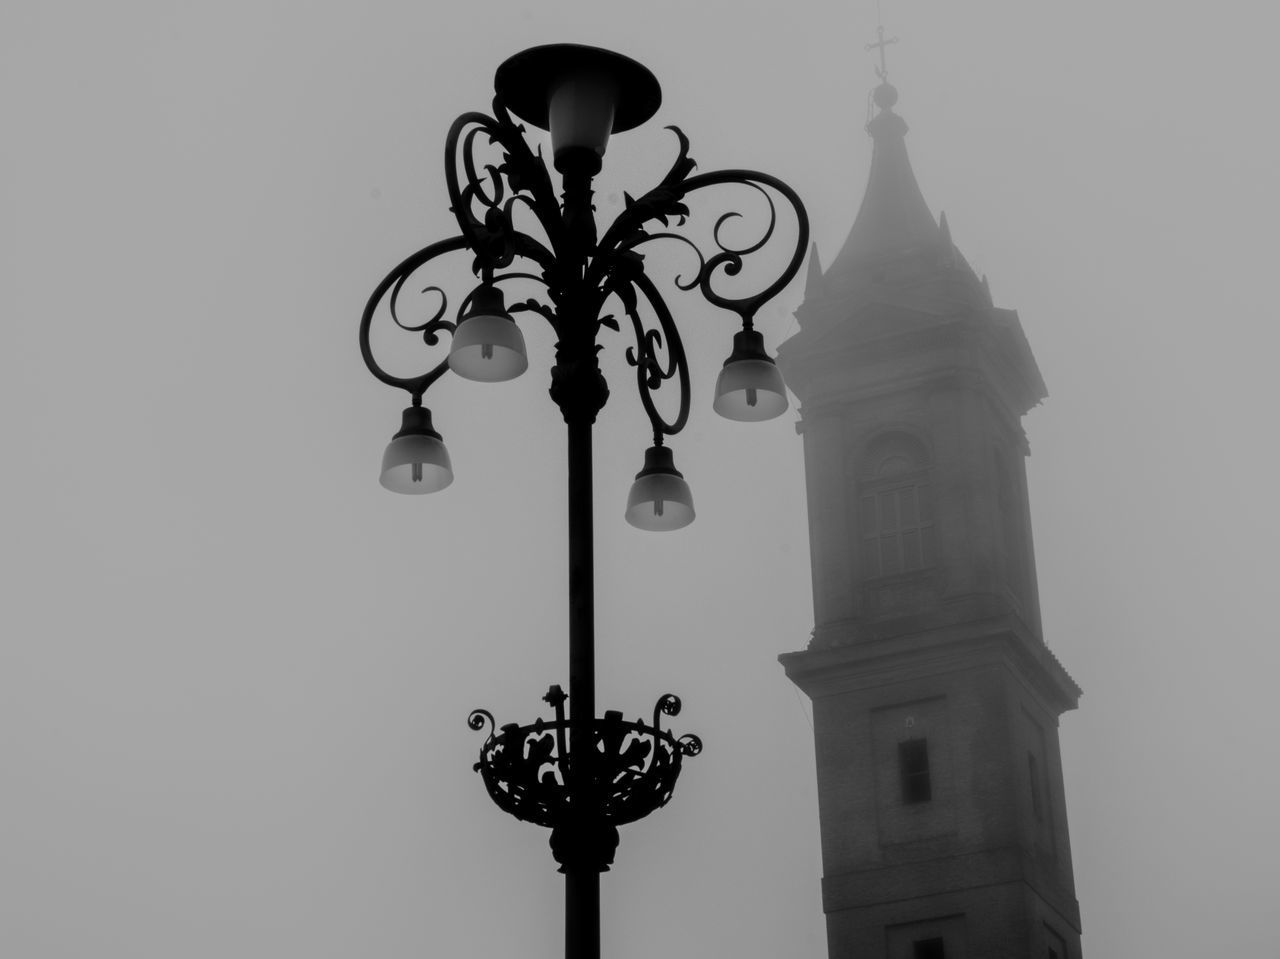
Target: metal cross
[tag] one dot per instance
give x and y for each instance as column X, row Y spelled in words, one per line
column 882, row 71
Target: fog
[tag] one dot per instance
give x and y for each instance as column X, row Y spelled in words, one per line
column 236, row 672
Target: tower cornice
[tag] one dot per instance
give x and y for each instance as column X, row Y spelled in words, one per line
column 889, row 348
column 838, row 668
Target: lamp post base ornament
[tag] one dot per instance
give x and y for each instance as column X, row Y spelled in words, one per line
column 529, row 772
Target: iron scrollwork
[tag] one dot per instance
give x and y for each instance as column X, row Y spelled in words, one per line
column 583, row 776
column 633, row 768
column 496, row 182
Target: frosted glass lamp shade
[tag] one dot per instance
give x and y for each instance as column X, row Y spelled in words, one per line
column 660, row 499
column 487, row 345
column 749, row 387
column 416, row 460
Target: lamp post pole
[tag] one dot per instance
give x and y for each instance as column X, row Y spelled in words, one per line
column 582, row 875
column 581, row 776
column 580, row 390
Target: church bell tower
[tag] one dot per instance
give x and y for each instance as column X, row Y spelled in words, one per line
column 935, row 699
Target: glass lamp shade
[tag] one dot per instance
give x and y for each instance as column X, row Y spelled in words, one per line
column 660, row 499
column 580, row 115
column 487, row 345
column 581, row 94
column 416, row 460
column 749, row 387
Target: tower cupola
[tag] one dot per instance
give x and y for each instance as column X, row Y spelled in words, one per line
column 935, row 699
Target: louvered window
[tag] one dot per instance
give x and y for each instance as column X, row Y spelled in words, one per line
column 897, row 527
column 895, row 507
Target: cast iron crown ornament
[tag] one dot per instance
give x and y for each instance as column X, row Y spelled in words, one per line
column 580, row 94
column 526, row 771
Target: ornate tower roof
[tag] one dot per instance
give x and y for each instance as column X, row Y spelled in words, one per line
column 898, row 275
column 935, row 699
column 894, row 218
column 896, row 253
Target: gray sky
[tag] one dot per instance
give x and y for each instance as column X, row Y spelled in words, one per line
column 235, row 672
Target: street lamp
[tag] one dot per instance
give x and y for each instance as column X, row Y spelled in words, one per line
column 582, row 776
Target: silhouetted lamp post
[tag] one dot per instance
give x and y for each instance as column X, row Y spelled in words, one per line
column 582, row 776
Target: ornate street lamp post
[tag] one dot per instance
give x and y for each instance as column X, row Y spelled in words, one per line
column 582, row 776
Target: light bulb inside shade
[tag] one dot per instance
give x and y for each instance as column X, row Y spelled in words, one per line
column 660, row 499
column 749, row 387
column 487, row 345
column 416, row 460
column 580, row 116
column 489, row 349
column 749, row 391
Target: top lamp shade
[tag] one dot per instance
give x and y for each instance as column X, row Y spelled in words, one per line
column 580, row 94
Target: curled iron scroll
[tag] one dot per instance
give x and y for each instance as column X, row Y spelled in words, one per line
column 479, row 717
column 389, row 291
column 666, row 202
column 653, row 369
column 484, row 194
column 431, row 323
column 731, row 259
column 484, row 200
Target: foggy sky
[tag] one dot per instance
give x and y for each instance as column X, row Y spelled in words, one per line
column 235, row 672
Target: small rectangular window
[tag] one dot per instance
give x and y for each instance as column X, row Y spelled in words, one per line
column 928, row 949
column 913, row 766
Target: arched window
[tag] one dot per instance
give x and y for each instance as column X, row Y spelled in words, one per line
column 895, row 512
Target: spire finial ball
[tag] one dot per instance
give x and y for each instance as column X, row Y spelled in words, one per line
column 885, row 96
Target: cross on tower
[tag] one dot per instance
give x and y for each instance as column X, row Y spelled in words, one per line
column 882, row 71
